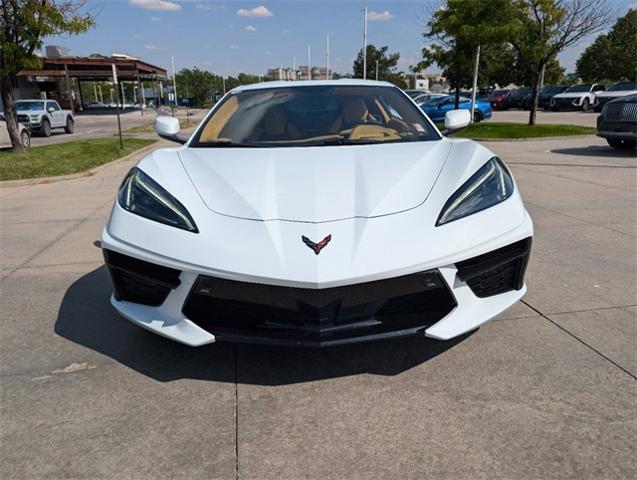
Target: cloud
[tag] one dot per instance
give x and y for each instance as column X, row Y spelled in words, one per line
column 155, row 4
column 150, row 46
column 234, row 47
column 251, row 28
column 138, row 35
column 268, row 52
column 210, row 6
column 285, row 31
column 260, row 11
column 379, row 16
column 155, row 19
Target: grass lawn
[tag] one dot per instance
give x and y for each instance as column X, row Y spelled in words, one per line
column 65, row 158
column 150, row 127
column 486, row 130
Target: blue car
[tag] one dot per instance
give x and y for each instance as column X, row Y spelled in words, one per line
column 437, row 107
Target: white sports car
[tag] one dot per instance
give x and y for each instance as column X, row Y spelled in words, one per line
column 316, row 213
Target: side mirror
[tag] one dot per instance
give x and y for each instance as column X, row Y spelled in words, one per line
column 456, row 120
column 168, row 128
column 50, row 109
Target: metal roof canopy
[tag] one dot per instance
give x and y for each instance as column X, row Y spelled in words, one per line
column 96, row 69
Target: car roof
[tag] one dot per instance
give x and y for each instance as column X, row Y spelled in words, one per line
column 312, row 83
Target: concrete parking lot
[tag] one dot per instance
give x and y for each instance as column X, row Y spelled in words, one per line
column 547, row 390
column 100, row 124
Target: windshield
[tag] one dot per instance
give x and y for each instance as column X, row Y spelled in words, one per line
column 578, row 88
column 623, row 86
column 29, row 105
column 312, row 116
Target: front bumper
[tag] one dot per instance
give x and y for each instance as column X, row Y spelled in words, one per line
column 194, row 308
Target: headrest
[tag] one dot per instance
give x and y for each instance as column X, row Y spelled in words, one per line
column 354, row 110
column 275, row 120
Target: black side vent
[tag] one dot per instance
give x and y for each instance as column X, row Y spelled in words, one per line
column 138, row 281
column 496, row 272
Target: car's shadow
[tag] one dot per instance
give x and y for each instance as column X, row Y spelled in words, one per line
column 595, row 151
column 86, row 317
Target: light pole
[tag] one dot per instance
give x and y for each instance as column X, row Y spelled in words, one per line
column 327, row 57
column 174, row 80
column 365, row 42
column 376, row 70
column 309, row 62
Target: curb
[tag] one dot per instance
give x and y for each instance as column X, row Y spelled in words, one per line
column 87, row 173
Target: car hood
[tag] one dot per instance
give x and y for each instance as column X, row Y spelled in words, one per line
column 616, row 93
column 315, row 184
column 571, row 95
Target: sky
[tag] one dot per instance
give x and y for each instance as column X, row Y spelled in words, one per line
column 228, row 37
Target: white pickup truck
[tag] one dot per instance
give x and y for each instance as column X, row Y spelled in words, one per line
column 45, row 115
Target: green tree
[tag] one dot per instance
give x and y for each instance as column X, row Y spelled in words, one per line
column 386, row 65
column 612, row 56
column 459, row 27
column 23, row 25
column 197, row 85
column 548, row 27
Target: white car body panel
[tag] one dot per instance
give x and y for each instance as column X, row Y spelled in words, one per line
column 380, row 204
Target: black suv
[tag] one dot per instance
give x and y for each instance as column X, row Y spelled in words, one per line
column 618, row 122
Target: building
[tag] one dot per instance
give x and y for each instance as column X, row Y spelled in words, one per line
column 64, row 78
column 318, row 73
column 281, row 74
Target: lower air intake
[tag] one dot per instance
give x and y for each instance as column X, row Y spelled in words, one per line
column 138, row 281
column 496, row 272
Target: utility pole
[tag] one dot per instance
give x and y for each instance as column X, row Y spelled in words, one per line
column 327, row 57
column 175, row 81
column 309, row 62
column 365, row 42
column 376, row 70
column 475, row 83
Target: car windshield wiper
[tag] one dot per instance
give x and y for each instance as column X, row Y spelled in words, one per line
column 223, row 144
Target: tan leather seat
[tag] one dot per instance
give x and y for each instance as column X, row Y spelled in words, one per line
column 353, row 112
column 276, row 126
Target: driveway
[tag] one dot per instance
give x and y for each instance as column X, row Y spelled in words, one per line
column 546, row 390
column 585, row 119
column 100, row 124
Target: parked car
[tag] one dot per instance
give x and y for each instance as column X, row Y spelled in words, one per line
column 346, row 217
column 414, row 92
column 498, row 98
column 45, row 115
column 618, row 122
column 425, row 97
column 5, row 140
column 620, row 89
column 437, row 107
column 544, row 99
column 96, row 104
column 519, row 98
column 576, row 97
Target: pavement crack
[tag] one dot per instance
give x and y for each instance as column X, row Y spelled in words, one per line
column 579, row 340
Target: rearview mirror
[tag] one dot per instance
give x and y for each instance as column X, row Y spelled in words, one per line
column 50, row 109
column 456, row 120
column 168, row 128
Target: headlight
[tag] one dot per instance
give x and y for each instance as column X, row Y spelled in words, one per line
column 490, row 185
column 141, row 195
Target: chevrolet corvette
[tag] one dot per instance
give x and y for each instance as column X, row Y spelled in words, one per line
column 316, row 213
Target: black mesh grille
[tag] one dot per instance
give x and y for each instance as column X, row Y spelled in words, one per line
column 138, row 281
column 265, row 313
column 496, row 272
